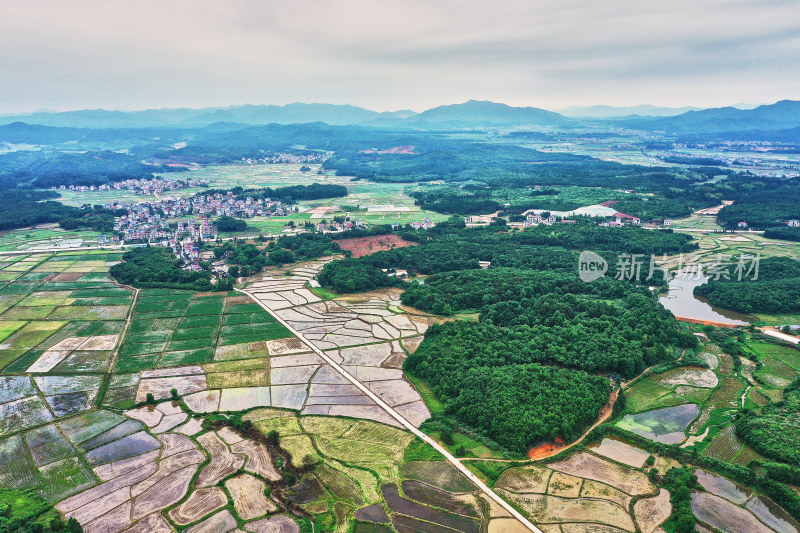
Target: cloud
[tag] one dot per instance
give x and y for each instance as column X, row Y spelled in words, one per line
column 388, row 55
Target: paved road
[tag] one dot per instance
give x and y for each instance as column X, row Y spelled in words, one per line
column 405, row 423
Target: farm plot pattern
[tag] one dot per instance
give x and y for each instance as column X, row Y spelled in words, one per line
column 61, row 320
column 363, row 480
column 111, row 471
column 585, row 492
column 173, row 328
column 156, row 468
column 367, row 334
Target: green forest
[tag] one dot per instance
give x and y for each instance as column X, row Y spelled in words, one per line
column 783, row 232
column 301, row 247
column 150, row 267
column 27, row 207
column 350, row 275
column 541, row 331
column 777, row 289
column 775, row 431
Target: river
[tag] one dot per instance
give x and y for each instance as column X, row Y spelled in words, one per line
column 680, row 299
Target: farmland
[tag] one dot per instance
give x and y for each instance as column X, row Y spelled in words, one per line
column 84, row 359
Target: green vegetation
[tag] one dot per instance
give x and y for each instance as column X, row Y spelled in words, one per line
column 785, row 233
column 777, row 289
column 447, row 248
column 456, row 201
column 774, row 432
column 548, row 317
column 27, row 512
column 23, row 208
column 290, row 194
column 302, row 247
column 158, row 267
column 230, row 225
column 762, row 203
column 248, row 258
column 173, row 328
column 680, row 482
column 351, row 275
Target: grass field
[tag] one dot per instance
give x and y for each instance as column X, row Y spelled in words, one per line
column 45, row 236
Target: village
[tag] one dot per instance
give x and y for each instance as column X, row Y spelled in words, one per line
column 143, row 187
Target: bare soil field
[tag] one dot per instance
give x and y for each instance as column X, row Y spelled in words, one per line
column 621, row 452
column 201, row 503
column 652, row 512
column 248, row 496
column 588, row 466
column 724, row 515
column 369, row 245
column 223, row 462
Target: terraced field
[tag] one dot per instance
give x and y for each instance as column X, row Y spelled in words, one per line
column 715, row 393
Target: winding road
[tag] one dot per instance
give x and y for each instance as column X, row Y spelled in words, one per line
column 405, row 423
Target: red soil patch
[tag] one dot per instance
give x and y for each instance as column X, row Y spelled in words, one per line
column 546, row 450
column 396, row 150
column 549, row 449
column 706, row 322
column 369, row 245
column 609, row 203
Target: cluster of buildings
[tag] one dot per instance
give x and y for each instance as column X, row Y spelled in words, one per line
column 141, row 226
column 146, row 221
column 622, row 219
column 426, row 223
column 316, row 157
column 335, row 226
column 142, row 187
column 228, row 205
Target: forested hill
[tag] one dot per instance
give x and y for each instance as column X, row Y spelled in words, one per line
column 536, row 364
column 780, row 115
column 777, row 289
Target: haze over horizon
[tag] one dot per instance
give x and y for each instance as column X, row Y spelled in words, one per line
column 89, row 54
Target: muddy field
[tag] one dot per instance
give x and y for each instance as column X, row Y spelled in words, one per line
column 369, row 245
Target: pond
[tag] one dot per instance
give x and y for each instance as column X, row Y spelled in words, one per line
column 680, row 299
column 667, row 425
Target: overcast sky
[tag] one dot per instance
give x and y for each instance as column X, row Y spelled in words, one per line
column 386, row 55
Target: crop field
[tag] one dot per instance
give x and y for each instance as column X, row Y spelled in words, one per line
column 61, row 319
column 585, row 493
column 666, row 425
column 743, row 243
column 621, row 452
column 173, row 328
column 52, row 298
column 362, row 468
column 45, row 236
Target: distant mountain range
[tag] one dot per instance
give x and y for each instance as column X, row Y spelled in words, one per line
column 607, row 111
column 780, row 115
column 472, row 114
column 469, row 114
column 297, row 113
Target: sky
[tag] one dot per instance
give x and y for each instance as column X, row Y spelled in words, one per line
column 410, row 54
